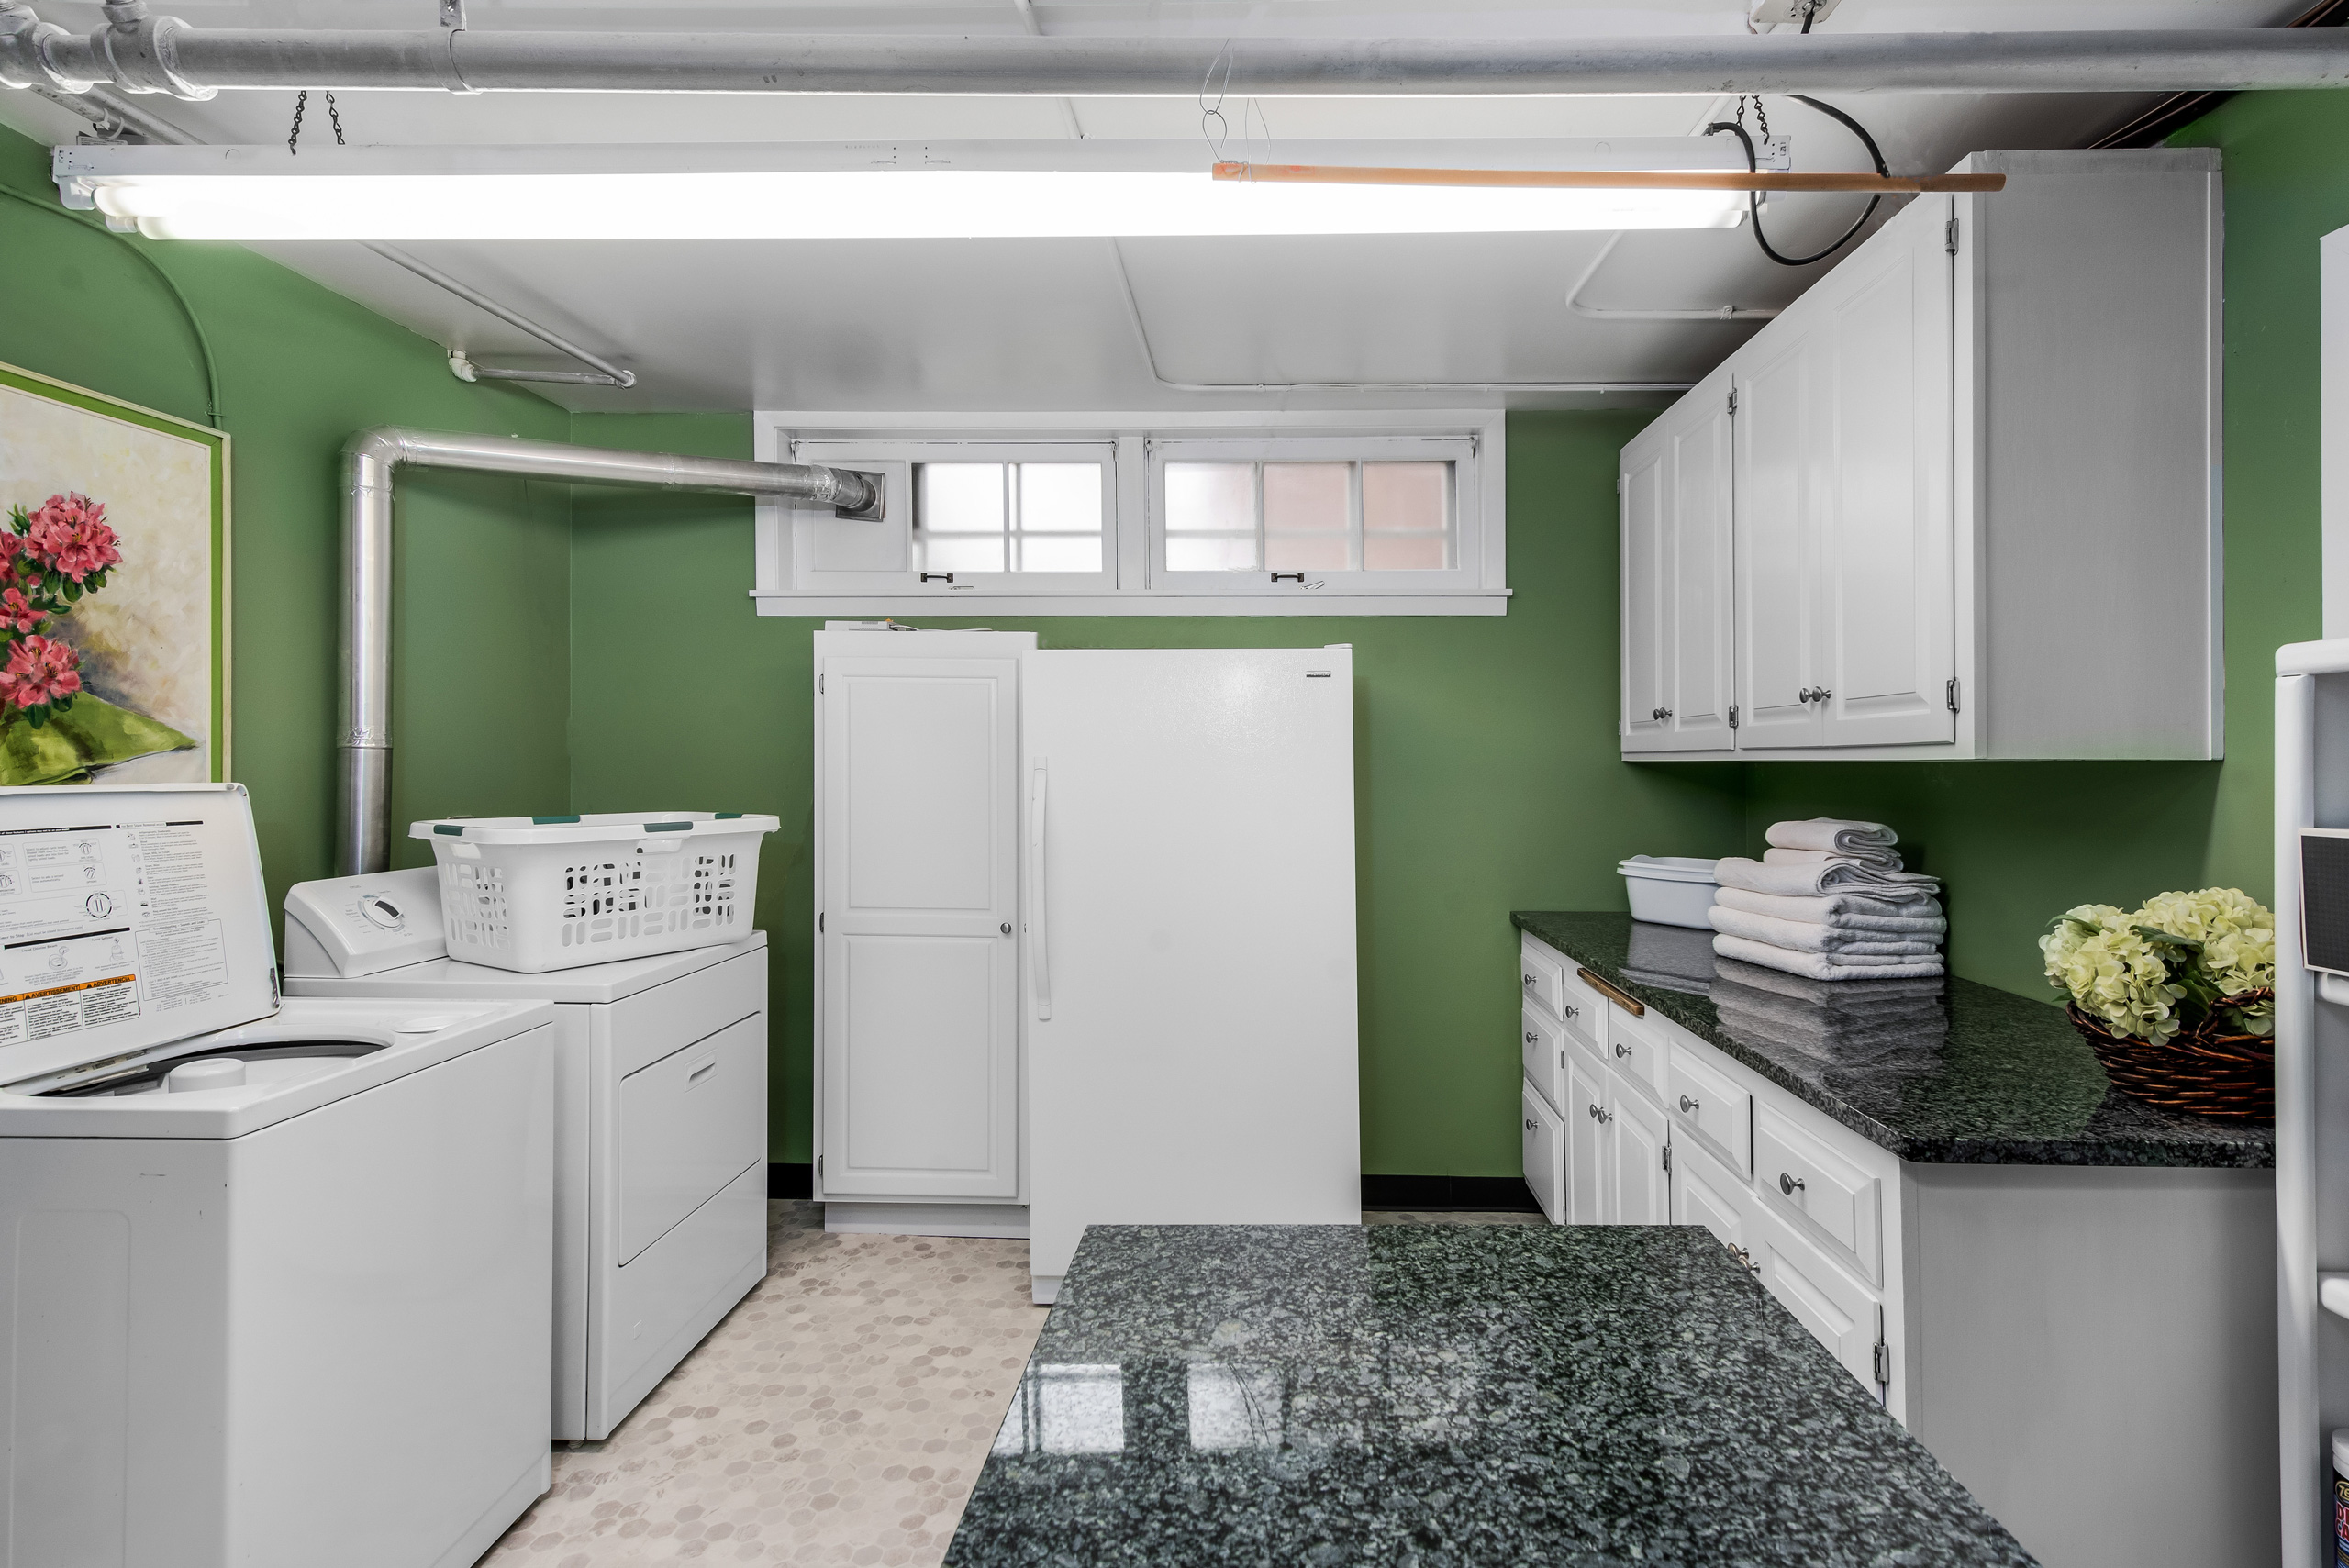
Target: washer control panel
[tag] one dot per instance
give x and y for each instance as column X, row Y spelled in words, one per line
column 350, row 925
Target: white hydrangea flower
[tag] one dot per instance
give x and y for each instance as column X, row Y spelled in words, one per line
column 2112, row 972
column 2238, row 934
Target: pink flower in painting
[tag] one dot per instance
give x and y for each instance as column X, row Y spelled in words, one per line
column 40, row 670
column 70, row 535
column 19, row 613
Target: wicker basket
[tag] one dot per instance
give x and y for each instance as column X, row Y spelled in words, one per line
column 2201, row 1072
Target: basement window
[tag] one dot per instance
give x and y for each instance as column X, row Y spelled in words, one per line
column 1163, row 514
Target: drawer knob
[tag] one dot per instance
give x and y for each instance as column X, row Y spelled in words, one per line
column 1529, row 980
column 1594, row 1112
column 1789, row 1185
column 1532, row 1040
column 1572, row 1011
column 1604, row 1117
column 1745, row 1257
column 1687, row 1106
column 1532, row 1126
column 1623, row 1050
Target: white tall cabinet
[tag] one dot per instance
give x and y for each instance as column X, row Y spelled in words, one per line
column 918, row 887
column 1960, row 499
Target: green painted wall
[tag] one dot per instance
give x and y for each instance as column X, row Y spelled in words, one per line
column 2020, row 842
column 483, row 594
column 1487, row 771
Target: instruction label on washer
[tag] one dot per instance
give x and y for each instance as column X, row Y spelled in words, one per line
column 102, row 923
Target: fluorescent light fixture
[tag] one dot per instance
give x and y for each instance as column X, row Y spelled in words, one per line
column 886, row 190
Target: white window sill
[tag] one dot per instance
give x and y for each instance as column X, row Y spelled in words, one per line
column 774, row 601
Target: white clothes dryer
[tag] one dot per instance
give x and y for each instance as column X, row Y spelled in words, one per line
column 276, row 1282
column 661, row 1123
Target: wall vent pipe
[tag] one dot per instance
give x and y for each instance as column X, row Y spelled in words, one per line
column 370, row 460
column 166, row 55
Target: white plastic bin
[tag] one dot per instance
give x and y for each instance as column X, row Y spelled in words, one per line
column 1670, row 890
column 531, row 894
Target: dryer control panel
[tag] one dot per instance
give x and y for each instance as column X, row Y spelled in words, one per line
column 351, row 926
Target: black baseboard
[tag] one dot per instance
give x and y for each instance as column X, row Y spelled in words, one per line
column 1491, row 1194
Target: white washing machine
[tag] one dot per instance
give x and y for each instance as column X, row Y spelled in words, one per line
column 273, row 1279
column 661, row 1123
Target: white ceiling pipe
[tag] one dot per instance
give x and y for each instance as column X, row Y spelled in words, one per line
column 162, row 54
column 370, row 461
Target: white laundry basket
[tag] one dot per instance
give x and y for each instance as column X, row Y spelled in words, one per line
column 532, row 894
column 1670, row 890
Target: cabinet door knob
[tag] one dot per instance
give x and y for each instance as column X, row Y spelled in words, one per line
column 1623, row 1050
column 1803, row 695
column 1594, row 1112
column 1532, row 1126
column 1532, row 1040
column 1006, row 927
column 1789, row 1185
column 1687, row 1106
column 1663, row 713
column 1822, row 694
column 1530, row 979
column 1571, row 1010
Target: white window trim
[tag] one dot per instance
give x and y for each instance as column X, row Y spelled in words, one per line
column 1482, row 580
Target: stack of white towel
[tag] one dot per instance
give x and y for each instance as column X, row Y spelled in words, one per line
column 1829, row 900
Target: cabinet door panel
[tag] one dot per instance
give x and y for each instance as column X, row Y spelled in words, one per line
column 919, row 888
column 1545, row 1153
column 1705, row 1192
column 1640, row 1187
column 1587, row 1201
column 1646, row 588
column 1778, row 475
column 1839, row 1312
column 1698, row 686
column 1884, row 635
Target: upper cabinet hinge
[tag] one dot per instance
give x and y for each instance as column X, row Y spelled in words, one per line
column 1949, row 693
column 1883, row 1365
column 1732, row 715
column 1668, row 1156
column 819, row 685
column 1948, row 236
column 1732, row 400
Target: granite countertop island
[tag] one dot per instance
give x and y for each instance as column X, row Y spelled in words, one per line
column 1446, row 1396
column 1978, row 1076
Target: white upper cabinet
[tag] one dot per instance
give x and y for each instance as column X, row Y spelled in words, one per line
column 1968, row 501
column 1676, row 498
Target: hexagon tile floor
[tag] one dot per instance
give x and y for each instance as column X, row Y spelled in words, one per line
column 839, row 1416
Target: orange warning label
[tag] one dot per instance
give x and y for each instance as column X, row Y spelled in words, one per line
column 63, row 990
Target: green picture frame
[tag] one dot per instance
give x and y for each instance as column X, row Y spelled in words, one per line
column 215, row 449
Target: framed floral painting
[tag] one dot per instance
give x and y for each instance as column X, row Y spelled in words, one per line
column 113, row 589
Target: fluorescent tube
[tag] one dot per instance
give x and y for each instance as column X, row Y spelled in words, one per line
column 934, row 192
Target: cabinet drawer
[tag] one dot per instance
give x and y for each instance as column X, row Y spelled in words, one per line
column 1710, row 1104
column 1545, row 1153
column 1840, row 1312
column 1636, row 1052
column 1826, row 1196
column 650, row 1024
column 1543, row 1048
column 689, row 1125
column 1542, row 978
column 1583, row 1011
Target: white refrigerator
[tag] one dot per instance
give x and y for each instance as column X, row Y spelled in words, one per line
column 1188, row 915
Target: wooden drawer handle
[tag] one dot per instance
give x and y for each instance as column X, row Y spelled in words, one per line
column 1637, row 1010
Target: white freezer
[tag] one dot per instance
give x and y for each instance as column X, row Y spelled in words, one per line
column 1188, row 900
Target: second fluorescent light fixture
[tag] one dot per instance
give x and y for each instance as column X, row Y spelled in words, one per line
column 1005, row 190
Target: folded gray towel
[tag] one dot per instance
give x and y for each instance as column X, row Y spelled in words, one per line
column 1820, row 966
column 1826, row 876
column 1883, row 859
column 1836, row 835
column 1853, row 911
column 1802, row 936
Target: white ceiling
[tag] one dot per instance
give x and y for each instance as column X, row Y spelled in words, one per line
column 1047, row 324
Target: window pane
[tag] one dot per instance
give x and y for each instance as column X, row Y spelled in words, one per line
column 1391, row 553
column 963, row 552
column 1310, row 552
column 1060, row 553
column 1206, row 498
column 1061, row 498
column 958, row 497
column 1307, row 497
column 1210, row 554
column 1405, row 497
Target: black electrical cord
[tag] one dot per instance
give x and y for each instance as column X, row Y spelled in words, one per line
column 1753, row 200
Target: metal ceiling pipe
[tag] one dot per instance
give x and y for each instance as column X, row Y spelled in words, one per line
column 370, row 460
column 150, row 54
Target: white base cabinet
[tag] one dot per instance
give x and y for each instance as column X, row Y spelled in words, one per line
column 2080, row 1346
column 1960, row 499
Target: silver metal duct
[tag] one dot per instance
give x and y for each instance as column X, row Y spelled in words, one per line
column 163, row 54
column 370, row 461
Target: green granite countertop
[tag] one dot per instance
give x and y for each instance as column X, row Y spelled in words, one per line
column 1447, row 1396
column 1944, row 1073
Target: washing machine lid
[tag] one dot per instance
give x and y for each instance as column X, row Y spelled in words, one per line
column 130, row 917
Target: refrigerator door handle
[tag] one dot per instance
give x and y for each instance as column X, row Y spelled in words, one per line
column 1039, row 925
